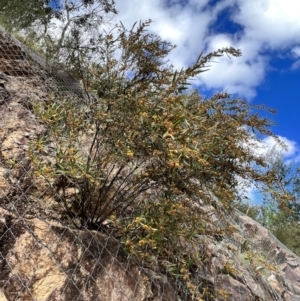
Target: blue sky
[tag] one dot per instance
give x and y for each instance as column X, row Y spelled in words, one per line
column 267, row 32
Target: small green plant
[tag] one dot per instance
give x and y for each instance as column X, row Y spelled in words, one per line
column 230, row 269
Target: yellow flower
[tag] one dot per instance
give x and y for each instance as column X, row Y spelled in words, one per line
column 142, row 242
column 113, row 217
column 130, row 153
column 128, row 242
column 142, row 102
column 137, row 220
column 145, row 280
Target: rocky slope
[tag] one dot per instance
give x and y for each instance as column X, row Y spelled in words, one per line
column 42, row 258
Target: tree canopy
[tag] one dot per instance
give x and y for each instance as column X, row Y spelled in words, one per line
column 280, row 208
column 64, row 31
column 18, row 15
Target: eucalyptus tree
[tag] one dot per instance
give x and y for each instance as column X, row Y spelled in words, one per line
column 65, row 32
column 17, row 15
column 281, row 201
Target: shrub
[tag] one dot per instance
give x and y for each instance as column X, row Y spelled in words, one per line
column 146, row 153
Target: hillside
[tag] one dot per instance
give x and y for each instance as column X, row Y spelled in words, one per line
column 44, row 256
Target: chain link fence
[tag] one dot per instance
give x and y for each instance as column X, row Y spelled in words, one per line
column 43, row 257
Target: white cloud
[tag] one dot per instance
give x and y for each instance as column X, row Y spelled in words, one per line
column 269, row 146
column 237, row 75
column 295, row 65
column 296, row 51
column 266, row 25
column 275, row 23
column 184, row 26
column 290, row 147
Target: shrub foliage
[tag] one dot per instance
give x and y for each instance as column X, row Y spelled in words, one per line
column 148, row 152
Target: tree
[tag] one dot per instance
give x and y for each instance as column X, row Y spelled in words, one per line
column 17, row 15
column 66, row 32
column 279, row 208
column 281, row 201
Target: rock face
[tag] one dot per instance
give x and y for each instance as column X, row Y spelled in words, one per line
column 41, row 258
column 45, row 261
column 14, row 61
column 261, row 268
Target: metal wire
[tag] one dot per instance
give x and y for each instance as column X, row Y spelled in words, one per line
column 42, row 257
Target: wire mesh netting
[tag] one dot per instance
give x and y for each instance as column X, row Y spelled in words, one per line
column 44, row 256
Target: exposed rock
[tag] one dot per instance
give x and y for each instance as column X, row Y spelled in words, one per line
column 4, row 184
column 45, row 261
column 18, row 60
column 10, row 51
